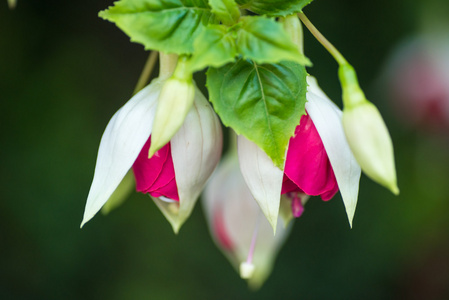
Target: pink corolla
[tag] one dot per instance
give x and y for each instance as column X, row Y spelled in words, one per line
column 307, row 167
column 156, row 175
column 318, row 162
column 176, row 174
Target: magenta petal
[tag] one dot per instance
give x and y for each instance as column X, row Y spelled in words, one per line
column 307, row 164
column 156, row 175
column 289, row 186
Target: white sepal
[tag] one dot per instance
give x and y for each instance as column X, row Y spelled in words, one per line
column 196, row 151
column 327, row 118
column 121, row 143
column 263, row 178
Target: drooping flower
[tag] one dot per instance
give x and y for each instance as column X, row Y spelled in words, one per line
column 319, row 161
column 237, row 225
column 187, row 161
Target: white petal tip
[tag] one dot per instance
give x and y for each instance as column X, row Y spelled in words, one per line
column 82, row 224
column 350, row 214
column 175, row 223
column 273, row 222
column 86, row 218
column 176, row 228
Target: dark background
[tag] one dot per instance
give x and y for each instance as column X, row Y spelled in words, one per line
column 64, row 72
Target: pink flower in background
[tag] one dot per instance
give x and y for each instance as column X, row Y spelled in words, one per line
column 418, row 78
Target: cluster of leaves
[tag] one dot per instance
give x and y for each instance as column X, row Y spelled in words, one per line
column 256, row 77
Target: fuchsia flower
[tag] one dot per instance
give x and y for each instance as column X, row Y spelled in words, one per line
column 417, row 76
column 237, row 225
column 319, row 162
column 175, row 176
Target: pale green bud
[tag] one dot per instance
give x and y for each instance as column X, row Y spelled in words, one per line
column 371, row 143
column 174, row 102
column 366, row 132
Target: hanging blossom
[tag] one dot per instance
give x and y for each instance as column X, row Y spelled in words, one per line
column 319, row 162
column 176, row 174
column 417, row 79
column 237, row 225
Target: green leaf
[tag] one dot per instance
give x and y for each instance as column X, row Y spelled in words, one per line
column 262, row 102
column 169, row 26
column 265, row 41
column 215, row 46
column 274, row 8
column 226, row 10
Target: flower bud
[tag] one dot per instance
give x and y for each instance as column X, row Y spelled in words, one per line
column 173, row 104
column 371, row 143
column 366, row 132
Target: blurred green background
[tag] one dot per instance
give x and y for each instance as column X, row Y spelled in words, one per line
column 63, row 74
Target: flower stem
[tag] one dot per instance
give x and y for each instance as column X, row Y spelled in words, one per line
column 146, row 72
column 167, row 65
column 326, row 44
